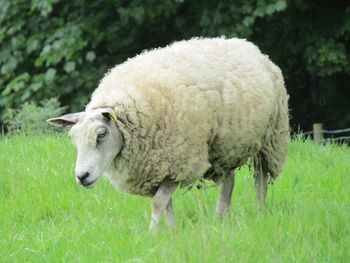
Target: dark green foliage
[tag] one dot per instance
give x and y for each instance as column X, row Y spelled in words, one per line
column 51, row 48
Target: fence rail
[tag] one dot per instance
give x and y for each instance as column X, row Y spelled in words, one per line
column 328, row 131
column 318, row 134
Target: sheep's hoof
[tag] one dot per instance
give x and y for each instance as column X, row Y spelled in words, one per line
column 153, row 227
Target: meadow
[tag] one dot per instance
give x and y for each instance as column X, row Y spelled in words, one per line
column 46, row 217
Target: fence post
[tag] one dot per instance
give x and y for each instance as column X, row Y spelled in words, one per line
column 318, row 132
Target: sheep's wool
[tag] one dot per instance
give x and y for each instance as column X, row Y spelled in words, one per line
column 194, row 109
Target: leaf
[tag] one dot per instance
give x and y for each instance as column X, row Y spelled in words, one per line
column 25, row 95
column 270, row 9
column 36, row 86
column 9, row 66
column 280, row 5
column 50, row 75
column 248, row 21
column 32, row 44
column 90, row 56
column 69, row 66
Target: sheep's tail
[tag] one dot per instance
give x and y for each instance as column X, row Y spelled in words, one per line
column 274, row 150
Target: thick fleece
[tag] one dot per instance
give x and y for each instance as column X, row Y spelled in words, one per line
column 194, row 109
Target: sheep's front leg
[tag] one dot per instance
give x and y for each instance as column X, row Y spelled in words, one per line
column 162, row 201
column 224, row 201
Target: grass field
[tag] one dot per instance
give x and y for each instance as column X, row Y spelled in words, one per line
column 46, row 217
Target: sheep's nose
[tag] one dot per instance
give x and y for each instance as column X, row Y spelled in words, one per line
column 83, row 178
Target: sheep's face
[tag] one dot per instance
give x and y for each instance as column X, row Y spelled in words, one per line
column 97, row 139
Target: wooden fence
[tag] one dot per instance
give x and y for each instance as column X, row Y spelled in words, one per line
column 321, row 135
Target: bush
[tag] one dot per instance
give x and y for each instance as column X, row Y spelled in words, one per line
column 31, row 118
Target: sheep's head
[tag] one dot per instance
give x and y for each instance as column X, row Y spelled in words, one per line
column 97, row 139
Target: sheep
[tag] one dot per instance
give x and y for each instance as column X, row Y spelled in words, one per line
column 169, row 117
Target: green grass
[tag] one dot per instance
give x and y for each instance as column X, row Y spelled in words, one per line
column 46, row 217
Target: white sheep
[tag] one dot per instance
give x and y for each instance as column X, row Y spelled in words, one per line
column 171, row 116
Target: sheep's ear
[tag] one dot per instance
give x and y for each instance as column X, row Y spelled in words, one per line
column 65, row 120
column 109, row 115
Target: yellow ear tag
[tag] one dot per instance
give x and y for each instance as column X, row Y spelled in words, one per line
column 113, row 116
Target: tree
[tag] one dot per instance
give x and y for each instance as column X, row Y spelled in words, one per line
column 51, row 48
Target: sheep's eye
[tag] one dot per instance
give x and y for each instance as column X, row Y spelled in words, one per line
column 102, row 135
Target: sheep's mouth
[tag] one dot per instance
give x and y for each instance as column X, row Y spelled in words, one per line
column 88, row 184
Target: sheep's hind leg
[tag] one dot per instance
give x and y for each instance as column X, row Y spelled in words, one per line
column 224, row 202
column 170, row 214
column 261, row 180
column 162, row 201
